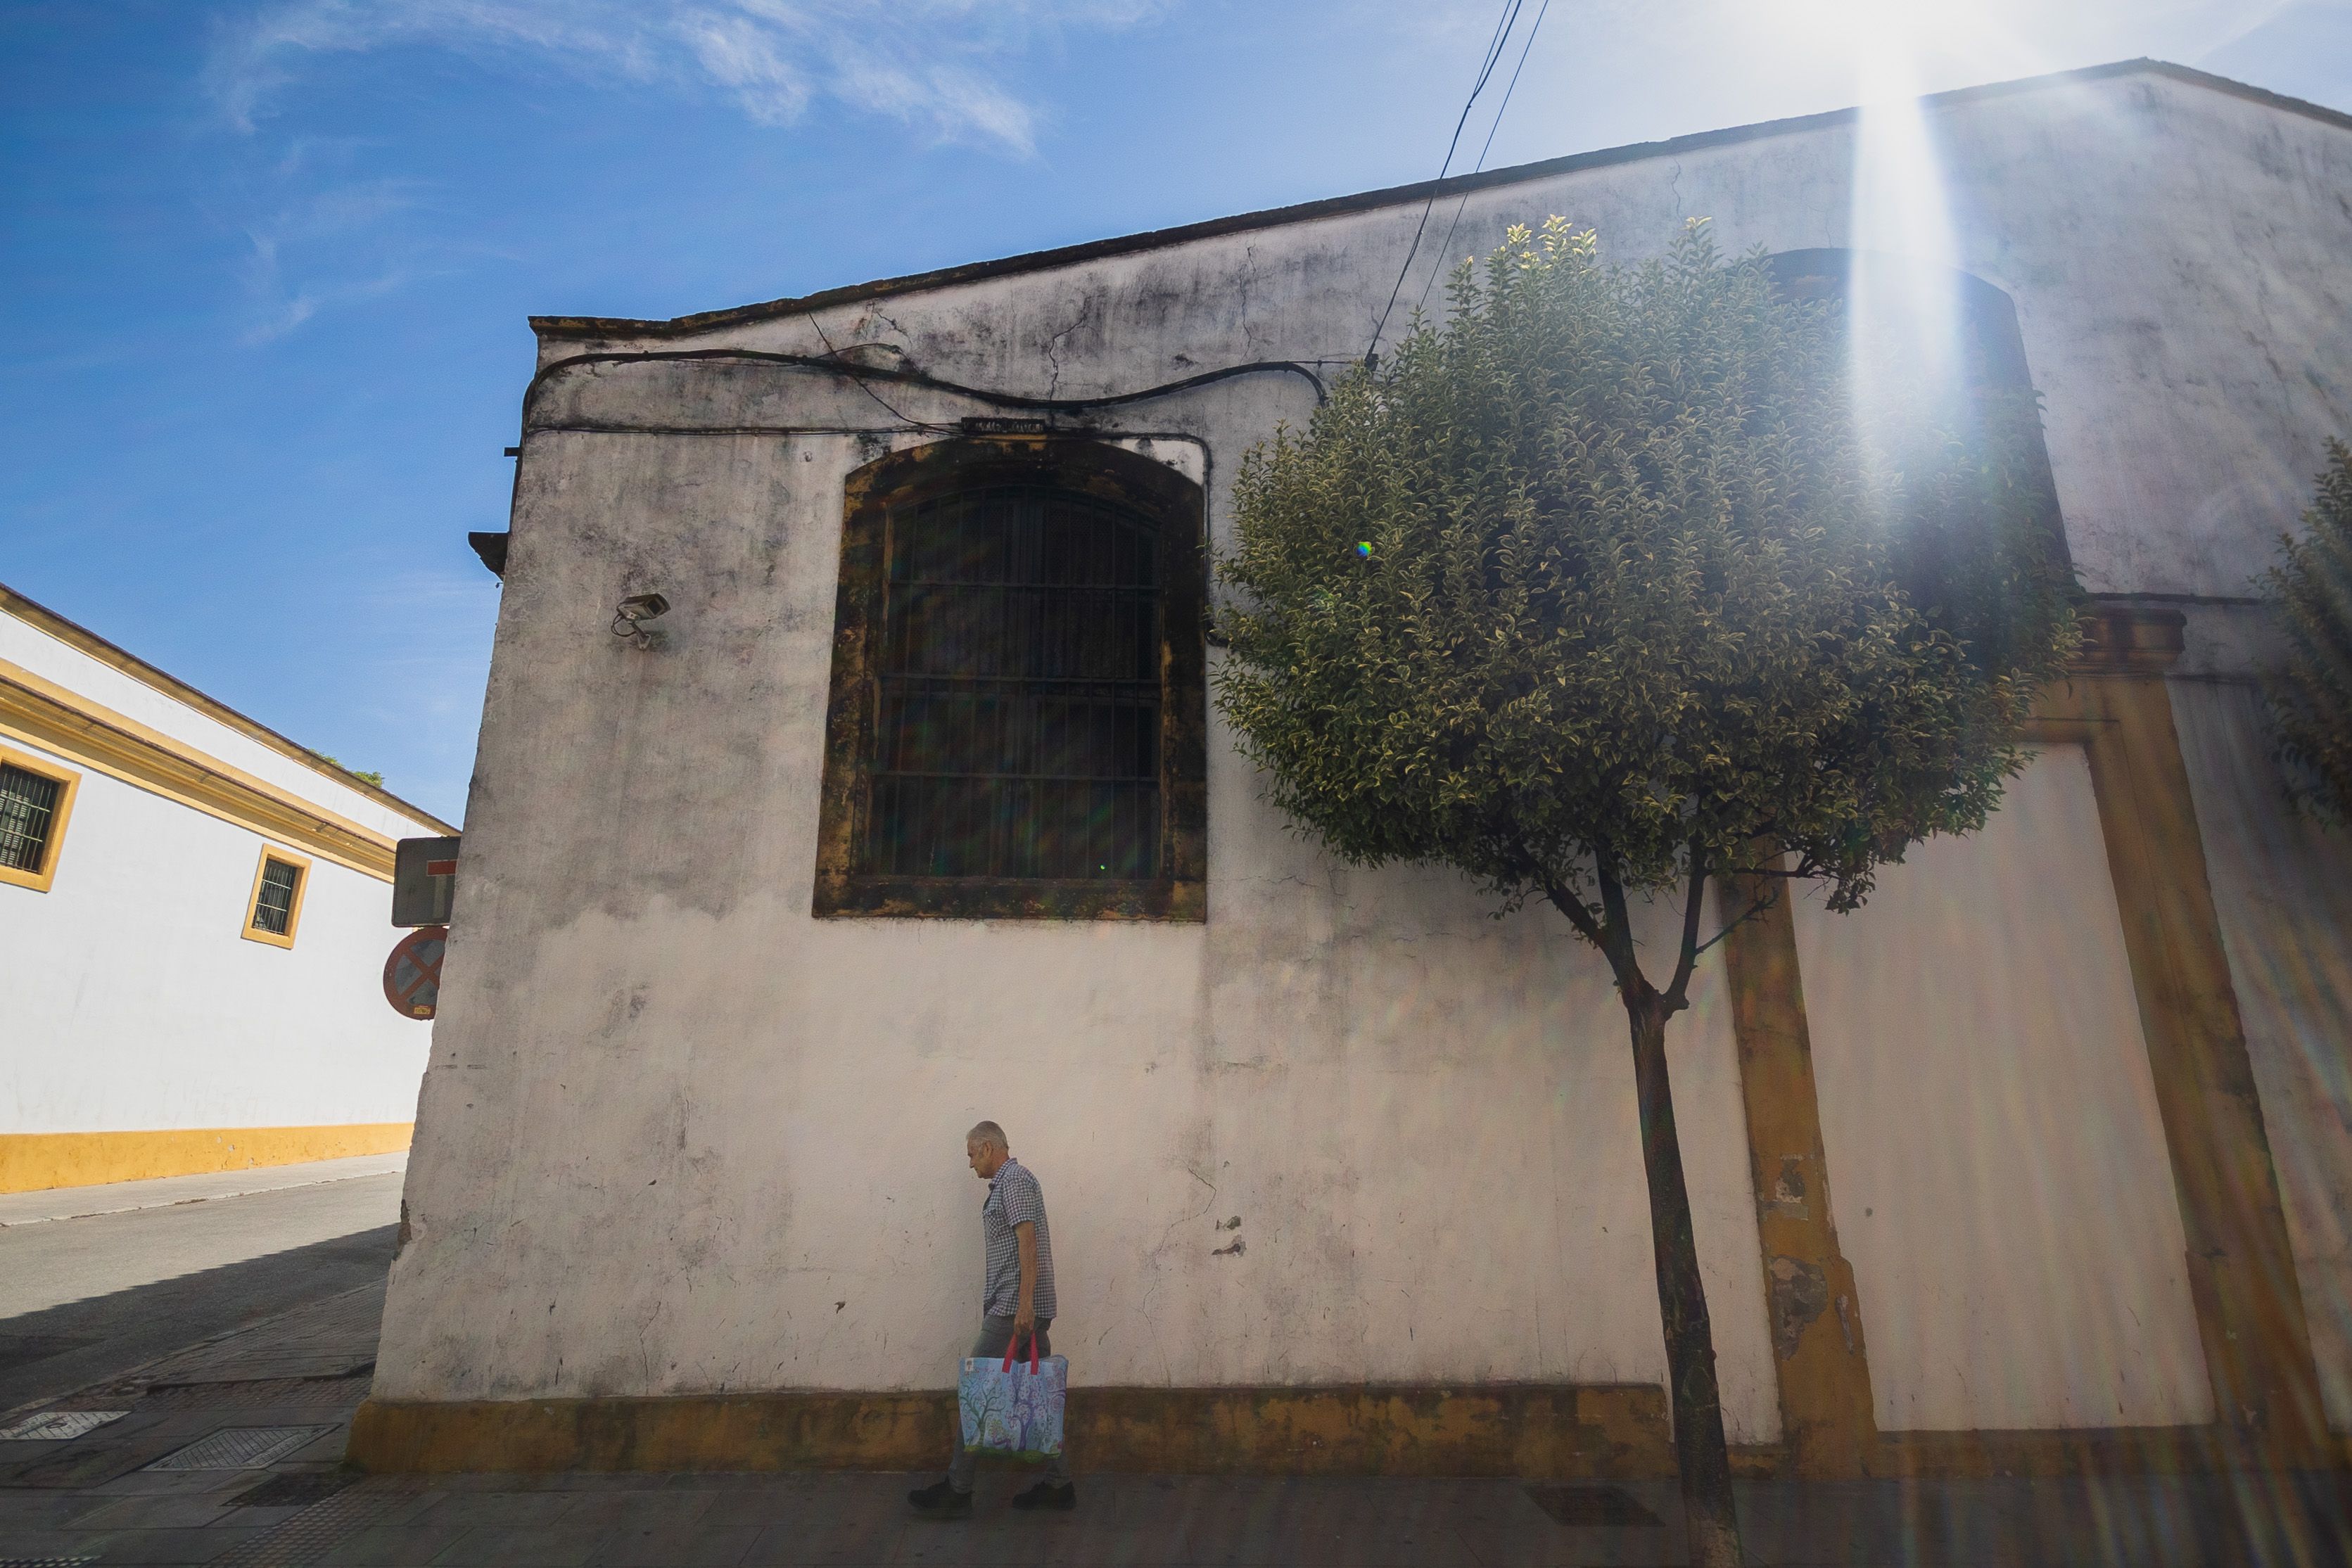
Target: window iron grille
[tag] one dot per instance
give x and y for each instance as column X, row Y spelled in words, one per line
column 28, row 806
column 273, row 906
column 1018, row 721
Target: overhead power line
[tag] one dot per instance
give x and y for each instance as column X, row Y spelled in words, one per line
column 1445, row 247
column 1495, row 45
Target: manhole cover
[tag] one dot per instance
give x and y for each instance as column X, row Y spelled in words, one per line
column 1603, row 1508
column 239, row 1448
column 58, row 1425
column 294, row 1488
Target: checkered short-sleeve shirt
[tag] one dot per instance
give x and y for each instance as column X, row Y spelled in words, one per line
column 1015, row 1198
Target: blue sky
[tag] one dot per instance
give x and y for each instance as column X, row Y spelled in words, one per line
column 264, row 267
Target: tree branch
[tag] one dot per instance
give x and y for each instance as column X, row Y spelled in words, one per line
column 1574, row 908
column 1616, row 927
column 1677, row 995
column 1763, row 900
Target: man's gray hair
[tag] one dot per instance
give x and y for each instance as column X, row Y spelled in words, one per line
column 988, row 1132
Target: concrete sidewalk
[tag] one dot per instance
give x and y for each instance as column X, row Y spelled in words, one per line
column 270, row 1407
column 259, row 1516
column 228, row 1452
column 166, row 1192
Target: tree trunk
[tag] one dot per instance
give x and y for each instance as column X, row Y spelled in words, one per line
column 1701, row 1454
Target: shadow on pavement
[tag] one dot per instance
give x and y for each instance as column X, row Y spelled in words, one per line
column 59, row 1349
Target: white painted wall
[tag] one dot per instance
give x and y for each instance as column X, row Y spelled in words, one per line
column 2002, row 1185
column 2284, row 888
column 133, row 1002
column 26, row 645
column 2175, row 254
column 1423, row 1117
column 676, row 1135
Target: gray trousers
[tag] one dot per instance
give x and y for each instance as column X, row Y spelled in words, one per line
column 995, row 1339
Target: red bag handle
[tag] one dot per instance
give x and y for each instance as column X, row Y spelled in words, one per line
column 1012, row 1345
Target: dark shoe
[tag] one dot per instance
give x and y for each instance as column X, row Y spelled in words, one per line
column 1045, row 1494
column 941, row 1501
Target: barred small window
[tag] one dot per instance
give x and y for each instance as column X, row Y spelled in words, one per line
column 273, row 906
column 28, row 805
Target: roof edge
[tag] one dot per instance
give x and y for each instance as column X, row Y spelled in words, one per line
column 573, row 328
column 81, row 638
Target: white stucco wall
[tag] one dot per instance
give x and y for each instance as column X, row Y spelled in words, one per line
column 678, row 1135
column 2284, row 888
column 29, row 647
column 133, row 1002
column 1423, row 1117
column 2174, row 255
column 2003, row 1187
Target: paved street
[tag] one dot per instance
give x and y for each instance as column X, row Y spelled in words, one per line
column 212, row 1429
column 87, row 1295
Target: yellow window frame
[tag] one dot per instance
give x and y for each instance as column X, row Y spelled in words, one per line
column 302, row 866
column 68, row 781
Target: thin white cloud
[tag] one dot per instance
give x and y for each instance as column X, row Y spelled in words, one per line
column 280, row 312
column 321, row 237
column 744, row 57
column 933, row 65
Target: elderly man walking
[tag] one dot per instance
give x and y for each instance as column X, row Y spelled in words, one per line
column 1016, row 1301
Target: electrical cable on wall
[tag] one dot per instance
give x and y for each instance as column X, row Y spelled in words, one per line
column 862, row 374
column 833, row 353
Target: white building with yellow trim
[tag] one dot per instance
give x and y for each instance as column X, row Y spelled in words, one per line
column 194, row 911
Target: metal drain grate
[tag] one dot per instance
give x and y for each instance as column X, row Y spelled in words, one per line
column 45, row 1562
column 58, row 1426
column 302, row 1539
column 239, row 1448
column 1593, row 1507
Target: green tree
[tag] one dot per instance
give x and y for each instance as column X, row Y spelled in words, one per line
column 1595, row 592
column 2309, row 691
column 364, row 775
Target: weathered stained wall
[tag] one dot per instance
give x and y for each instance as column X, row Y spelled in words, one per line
column 2283, row 886
column 2003, row 1187
column 1421, row 1117
column 677, row 1137
column 2174, row 253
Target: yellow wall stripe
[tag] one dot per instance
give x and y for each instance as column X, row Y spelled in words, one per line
column 41, row 713
column 36, row 1162
column 81, row 638
column 1528, row 1430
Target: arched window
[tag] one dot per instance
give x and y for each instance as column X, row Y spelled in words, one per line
column 1017, row 703
column 1985, row 367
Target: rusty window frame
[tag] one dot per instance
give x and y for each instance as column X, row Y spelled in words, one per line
column 1094, row 474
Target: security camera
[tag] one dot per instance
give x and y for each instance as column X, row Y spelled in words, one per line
column 641, row 607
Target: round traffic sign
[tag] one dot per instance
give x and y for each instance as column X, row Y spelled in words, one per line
column 412, row 976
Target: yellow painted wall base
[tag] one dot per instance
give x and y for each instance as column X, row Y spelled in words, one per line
column 1612, row 1431
column 36, row 1162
